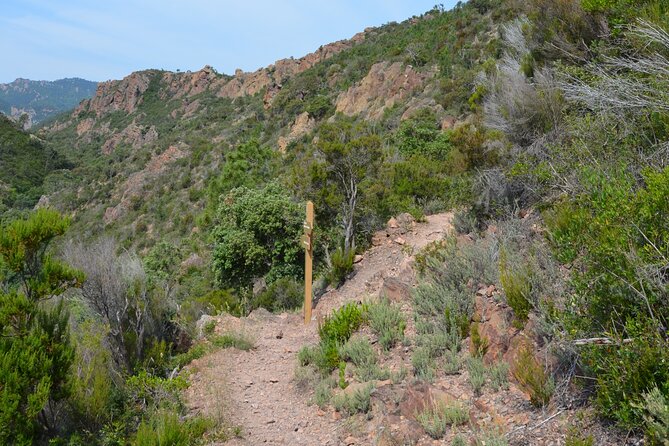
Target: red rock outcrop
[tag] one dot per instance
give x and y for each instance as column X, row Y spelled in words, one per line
column 385, row 85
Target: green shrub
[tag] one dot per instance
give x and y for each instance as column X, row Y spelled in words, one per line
column 437, row 418
column 232, row 340
column 477, row 374
column 452, row 362
column 341, row 266
column 258, row 235
column 340, row 325
column 284, row 294
column 35, row 349
column 165, row 428
column 358, row 401
column 464, row 222
column 388, row 323
column 327, row 357
column 656, row 417
column 423, row 365
column 323, row 392
column 532, row 377
column 499, row 376
column 578, row 439
column 479, row 343
column 360, row 352
column 342, row 375
column 517, row 284
column 458, row 440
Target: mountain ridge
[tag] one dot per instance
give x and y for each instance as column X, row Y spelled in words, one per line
column 41, row 100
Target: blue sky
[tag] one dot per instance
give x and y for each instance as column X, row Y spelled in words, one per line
column 108, row 39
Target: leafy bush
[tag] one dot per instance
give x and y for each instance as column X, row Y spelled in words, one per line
column 358, row 401
column 257, row 236
column 532, row 377
column 437, row 418
column 387, row 321
column 341, row 324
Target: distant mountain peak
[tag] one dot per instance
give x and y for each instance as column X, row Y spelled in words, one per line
column 41, row 100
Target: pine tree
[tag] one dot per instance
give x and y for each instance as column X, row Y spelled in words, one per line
column 35, row 353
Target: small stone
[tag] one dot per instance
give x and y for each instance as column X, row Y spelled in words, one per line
column 358, row 258
column 400, row 241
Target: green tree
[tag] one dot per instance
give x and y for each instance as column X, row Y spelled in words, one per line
column 348, row 154
column 257, row 236
column 35, row 353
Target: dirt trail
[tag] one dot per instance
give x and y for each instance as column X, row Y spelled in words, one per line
column 254, row 389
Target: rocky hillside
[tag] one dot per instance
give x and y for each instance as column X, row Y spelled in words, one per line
column 42, row 100
column 158, row 138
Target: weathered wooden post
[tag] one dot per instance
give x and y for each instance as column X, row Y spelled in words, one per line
column 307, row 241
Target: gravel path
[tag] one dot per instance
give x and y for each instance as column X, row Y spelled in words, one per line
column 254, row 389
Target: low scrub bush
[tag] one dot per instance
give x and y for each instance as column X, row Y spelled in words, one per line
column 437, row 418
column 499, row 376
column 360, row 352
column 517, row 285
column 579, row 439
column 452, row 362
column 479, row 343
column 388, row 323
column 532, row 377
column 477, row 374
column 339, row 326
column 656, row 417
column 492, row 438
column 166, row 428
column 232, row 340
column 323, row 392
column 424, row 366
column 358, row 401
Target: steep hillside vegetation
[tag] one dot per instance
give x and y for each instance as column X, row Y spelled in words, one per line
column 42, row 100
column 543, row 124
column 25, row 162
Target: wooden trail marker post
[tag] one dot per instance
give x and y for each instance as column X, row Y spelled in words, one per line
column 307, row 242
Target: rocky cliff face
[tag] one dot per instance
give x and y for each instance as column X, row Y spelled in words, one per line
column 126, row 94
